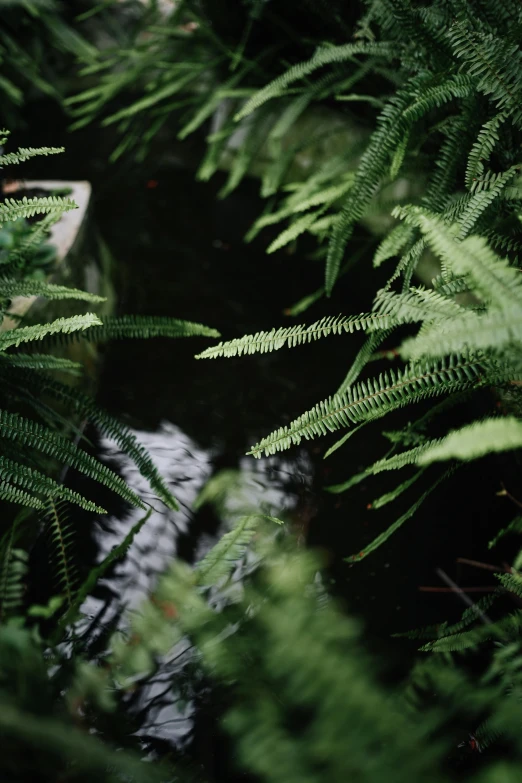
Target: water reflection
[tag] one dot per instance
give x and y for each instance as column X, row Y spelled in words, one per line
column 164, row 707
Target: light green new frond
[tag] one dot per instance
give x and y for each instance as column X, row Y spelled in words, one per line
column 10, row 287
column 373, row 399
column 399, row 461
column 384, row 536
column 469, row 332
column 222, row 558
column 325, row 55
column 495, row 280
column 33, row 481
column 26, row 334
column 295, row 230
column 475, row 440
column 35, row 436
column 13, row 209
column 291, row 336
column 483, row 147
column 417, row 304
column 24, row 153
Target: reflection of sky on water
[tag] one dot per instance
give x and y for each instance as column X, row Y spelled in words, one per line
column 268, row 485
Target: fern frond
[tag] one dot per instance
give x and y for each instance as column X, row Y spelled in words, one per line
column 515, row 526
column 380, row 539
column 24, row 153
column 96, row 573
column 394, row 241
column 509, row 626
column 494, row 279
column 29, row 433
column 10, row 287
column 222, row 558
column 26, row 334
column 389, row 497
column 15, row 495
column 37, row 361
column 494, row 63
column 472, row 613
column 138, row 327
column 483, row 147
column 473, row 332
column 14, row 209
column 12, row 573
column 511, row 582
column 481, row 200
column 291, row 336
column 373, row 399
column 31, row 480
column 364, row 355
column 114, row 429
column 60, row 534
column 476, row 440
column 295, row 230
column 323, row 56
column 12, row 586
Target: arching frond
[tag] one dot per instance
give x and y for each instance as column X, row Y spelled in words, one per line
column 373, row 399
column 35, row 436
column 60, row 535
column 26, row 334
column 33, row 481
column 14, row 209
column 475, row 440
column 24, row 153
column 11, row 287
column 141, row 328
column 291, row 336
column 322, row 57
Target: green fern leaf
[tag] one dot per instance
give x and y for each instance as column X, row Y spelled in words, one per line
column 291, row 336
column 10, row 288
column 24, row 153
column 37, row 361
column 60, row 535
column 380, row 539
column 373, row 399
column 143, row 327
column 25, row 334
column 96, row 573
column 483, row 147
column 113, row 428
column 224, row 555
column 476, row 440
column 29, row 433
column 323, row 56
column 12, row 209
column 31, row 480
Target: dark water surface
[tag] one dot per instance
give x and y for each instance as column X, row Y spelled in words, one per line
column 179, row 252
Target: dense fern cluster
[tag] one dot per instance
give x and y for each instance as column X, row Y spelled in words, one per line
column 34, row 442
